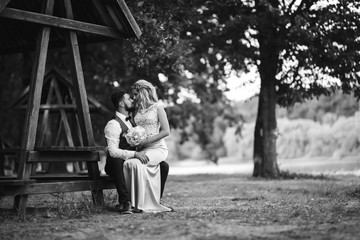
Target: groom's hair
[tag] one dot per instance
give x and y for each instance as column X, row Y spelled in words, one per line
column 116, row 97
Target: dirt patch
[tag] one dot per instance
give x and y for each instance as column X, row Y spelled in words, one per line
column 207, row 207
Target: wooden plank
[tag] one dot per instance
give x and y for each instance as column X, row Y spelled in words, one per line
column 3, row 4
column 129, row 17
column 103, row 13
column 77, row 122
column 63, row 23
column 32, row 113
column 64, row 117
column 114, row 17
column 54, row 177
column 81, row 102
column 69, row 148
column 56, row 107
column 71, row 186
column 79, row 86
column 62, row 156
column 57, row 187
column 66, row 124
column 16, row 182
column 45, row 118
column 57, row 177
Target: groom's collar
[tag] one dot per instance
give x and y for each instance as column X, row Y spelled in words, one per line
column 121, row 116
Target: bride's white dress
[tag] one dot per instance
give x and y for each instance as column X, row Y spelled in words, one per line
column 143, row 181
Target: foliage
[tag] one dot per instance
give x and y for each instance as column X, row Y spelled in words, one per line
column 337, row 103
column 302, row 138
column 299, row 48
column 319, row 46
column 162, row 49
column 195, row 45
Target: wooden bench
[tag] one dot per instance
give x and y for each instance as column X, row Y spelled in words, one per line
column 56, row 183
column 53, row 184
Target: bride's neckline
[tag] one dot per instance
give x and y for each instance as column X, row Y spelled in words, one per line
column 146, row 109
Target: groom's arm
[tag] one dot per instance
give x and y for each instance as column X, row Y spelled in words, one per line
column 112, row 133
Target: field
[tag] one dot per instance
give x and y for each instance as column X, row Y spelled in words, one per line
column 208, row 206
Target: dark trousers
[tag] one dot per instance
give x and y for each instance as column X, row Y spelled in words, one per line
column 114, row 168
column 164, row 171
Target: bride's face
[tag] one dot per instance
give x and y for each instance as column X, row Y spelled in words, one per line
column 135, row 93
column 135, row 96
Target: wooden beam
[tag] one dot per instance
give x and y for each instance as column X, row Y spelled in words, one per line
column 56, row 187
column 81, row 101
column 129, row 17
column 35, row 92
column 32, row 113
column 62, row 156
column 103, row 13
column 63, row 23
column 45, row 118
column 56, row 107
column 63, row 116
column 114, row 17
column 3, row 4
column 79, row 82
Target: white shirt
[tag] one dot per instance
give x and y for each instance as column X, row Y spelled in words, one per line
column 112, row 133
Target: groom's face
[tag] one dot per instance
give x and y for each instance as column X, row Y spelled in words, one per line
column 128, row 103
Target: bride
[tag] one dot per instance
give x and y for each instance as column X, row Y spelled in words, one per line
column 143, row 180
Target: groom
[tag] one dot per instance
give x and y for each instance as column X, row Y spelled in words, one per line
column 118, row 150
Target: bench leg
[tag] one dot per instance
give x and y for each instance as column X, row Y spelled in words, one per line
column 20, row 202
column 98, row 197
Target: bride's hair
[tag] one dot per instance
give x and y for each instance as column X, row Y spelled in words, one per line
column 147, row 93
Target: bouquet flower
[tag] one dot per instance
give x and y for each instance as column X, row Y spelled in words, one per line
column 135, row 135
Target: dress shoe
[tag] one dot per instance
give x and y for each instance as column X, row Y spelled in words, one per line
column 136, row 210
column 126, row 208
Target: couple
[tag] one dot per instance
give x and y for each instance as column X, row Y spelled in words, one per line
column 139, row 172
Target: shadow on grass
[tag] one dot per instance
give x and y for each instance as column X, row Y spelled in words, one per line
column 291, row 175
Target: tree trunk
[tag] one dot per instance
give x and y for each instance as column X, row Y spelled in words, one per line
column 258, row 146
column 265, row 159
column 269, row 168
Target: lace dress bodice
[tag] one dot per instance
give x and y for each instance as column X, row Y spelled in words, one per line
column 149, row 120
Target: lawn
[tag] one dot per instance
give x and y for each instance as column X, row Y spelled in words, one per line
column 212, row 206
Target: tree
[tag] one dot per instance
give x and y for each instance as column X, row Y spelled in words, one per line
column 162, row 49
column 298, row 47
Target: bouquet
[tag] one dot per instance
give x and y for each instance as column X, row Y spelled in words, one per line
column 135, row 135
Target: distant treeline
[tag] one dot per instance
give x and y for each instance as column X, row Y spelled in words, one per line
column 303, row 138
column 328, row 126
column 338, row 104
column 324, row 127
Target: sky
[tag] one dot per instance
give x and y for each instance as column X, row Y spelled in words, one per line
column 244, row 86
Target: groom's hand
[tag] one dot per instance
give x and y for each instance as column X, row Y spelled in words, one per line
column 142, row 157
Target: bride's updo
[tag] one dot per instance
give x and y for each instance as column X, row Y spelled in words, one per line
column 146, row 93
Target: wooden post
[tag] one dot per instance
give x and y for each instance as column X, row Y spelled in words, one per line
column 32, row 112
column 81, row 101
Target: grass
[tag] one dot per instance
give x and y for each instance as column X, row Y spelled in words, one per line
column 207, row 207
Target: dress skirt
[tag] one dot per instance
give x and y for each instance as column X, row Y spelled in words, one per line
column 143, row 180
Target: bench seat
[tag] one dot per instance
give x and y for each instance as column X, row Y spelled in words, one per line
column 54, row 184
